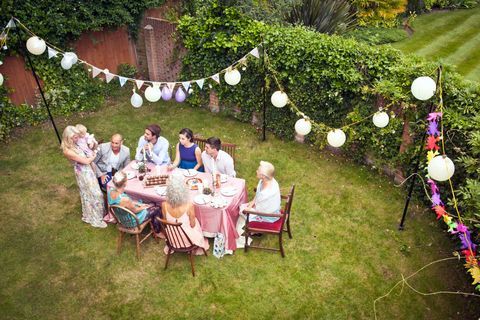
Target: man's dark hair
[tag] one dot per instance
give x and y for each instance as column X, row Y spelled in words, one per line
column 215, row 143
column 154, row 129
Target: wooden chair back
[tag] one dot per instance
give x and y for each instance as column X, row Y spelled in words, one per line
column 125, row 217
column 176, row 238
column 288, row 203
column 227, row 147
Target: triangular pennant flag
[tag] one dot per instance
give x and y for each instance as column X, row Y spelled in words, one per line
column 109, row 76
column 10, row 24
column 216, row 77
column 122, row 81
column 139, row 83
column 95, row 71
column 200, row 82
column 255, row 53
column 186, row 85
column 52, row 53
column 156, row 84
column 171, row 85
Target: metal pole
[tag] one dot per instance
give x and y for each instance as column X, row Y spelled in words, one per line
column 417, row 164
column 37, row 80
column 264, row 136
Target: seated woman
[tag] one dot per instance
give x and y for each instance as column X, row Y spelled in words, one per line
column 266, row 200
column 178, row 208
column 188, row 154
column 117, row 196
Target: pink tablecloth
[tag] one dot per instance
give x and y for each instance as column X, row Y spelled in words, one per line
column 212, row 220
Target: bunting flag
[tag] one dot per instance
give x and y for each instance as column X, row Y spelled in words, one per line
column 200, row 82
column 139, row 84
column 122, row 81
column 108, row 76
column 156, row 84
column 255, row 53
column 10, row 24
column 52, row 53
column 216, row 77
column 186, row 85
column 171, row 85
column 95, row 71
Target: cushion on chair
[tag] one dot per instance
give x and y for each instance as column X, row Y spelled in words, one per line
column 271, row 226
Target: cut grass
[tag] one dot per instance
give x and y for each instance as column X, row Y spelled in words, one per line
column 452, row 36
column 345, row 250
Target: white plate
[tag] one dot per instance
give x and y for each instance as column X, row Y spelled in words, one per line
column 218, row 202
column 161, row 190
column 134, row 166
column 228, row 191
column 131, row 175
column 202, row 199
column 223, row 178
column 190, row 173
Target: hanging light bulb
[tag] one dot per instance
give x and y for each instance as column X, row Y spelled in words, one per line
column 279, row 99
column 381, row 119
column 136, row 100
column 303, row 126
column 36, row 46
column 232, row 77
column 423, row 88
column 336, row 138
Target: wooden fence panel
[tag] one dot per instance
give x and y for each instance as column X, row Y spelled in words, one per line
column 19, row 80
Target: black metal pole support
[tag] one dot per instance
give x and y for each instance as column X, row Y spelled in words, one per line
column 264, row 125
column 401, row 226
column 37, row 80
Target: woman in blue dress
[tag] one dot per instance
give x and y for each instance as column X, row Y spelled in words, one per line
column 188, row 154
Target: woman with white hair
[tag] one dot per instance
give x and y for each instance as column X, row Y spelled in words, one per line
column 179, row 208
column 117, row 196
column 267, row 199
column 93, row 208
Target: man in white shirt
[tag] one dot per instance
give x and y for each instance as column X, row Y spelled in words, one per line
column 152, row 147
column 111, row 157
column 216, row 160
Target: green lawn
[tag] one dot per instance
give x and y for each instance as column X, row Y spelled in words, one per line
column 345, row 253
column 452, row 36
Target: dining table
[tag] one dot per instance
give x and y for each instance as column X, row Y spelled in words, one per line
column 216, row 214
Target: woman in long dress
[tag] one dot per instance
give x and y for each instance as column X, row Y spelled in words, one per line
column 91, row 196
column 178, row 208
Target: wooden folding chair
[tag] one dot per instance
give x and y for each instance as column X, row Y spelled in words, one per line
column 227, row 147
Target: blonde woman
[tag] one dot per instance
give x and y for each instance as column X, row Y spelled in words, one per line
column 179, row 208
column 91, row 196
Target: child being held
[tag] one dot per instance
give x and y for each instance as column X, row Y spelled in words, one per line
column 87, row 143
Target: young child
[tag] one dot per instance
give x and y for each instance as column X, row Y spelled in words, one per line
column 87, row 142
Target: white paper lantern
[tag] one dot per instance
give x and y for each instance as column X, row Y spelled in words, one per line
column 36, row 46
column 303, row 126
column 279, row 99
column 72, row 56
column 1, row 79
column 336, row 138
column 441, row 168
column 232, row 77
column 381, row 119
column 66, row 62
column 423, row 88
column 153, row 94
column 136, row 100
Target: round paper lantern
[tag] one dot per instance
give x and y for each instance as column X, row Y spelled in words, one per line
column 153, row 94
column 72, row 56
column 166, row 93
column 232, row 77
column 180, row 95
column 136, row 100
column 441, row 168
column 1, row 79
column 423, row 88
column 303, row 126
column 36, row 46
column 380, row 119
column 279, row 99
column 66, row 62
column 336, row 138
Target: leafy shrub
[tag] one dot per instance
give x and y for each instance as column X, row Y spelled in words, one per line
column 450, row 4
column 376, row 36
column 379, row 13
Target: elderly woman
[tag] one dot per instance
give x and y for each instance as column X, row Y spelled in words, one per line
column 117, row 196
column 188, row 154
column 178, row 208
column 91, row 196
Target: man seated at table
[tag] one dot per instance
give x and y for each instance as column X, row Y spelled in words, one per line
column 152, row 147
column 215, row 159
column 111, row 157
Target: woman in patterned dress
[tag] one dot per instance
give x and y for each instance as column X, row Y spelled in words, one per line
column 91, row 196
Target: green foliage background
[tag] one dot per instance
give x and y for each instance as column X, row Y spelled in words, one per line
column 336, row 81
